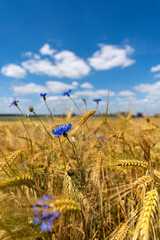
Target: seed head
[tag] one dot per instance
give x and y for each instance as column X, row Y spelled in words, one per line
column 31, row 109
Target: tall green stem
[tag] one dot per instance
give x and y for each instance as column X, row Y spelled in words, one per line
column 49, row 110
column 74, row 103
column 42, row 124
column 25, row 127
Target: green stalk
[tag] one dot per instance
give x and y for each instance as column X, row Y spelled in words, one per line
column 42, row 124
column 49, row 110
column 74, row 103
column 25, row 127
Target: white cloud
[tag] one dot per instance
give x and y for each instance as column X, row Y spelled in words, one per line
column 152, row 90
column 70, row 65
column 144, row 88
column 13, row 70
column 59, row 87
column 157, row 75
column 30, row 88
column 55, row 98
column 50, row 87
column 105, row 93
column 67, row 64
column 30, row 54
column 36, row 56
column 93, row 94
column 132, row 101
column 126, row 93
column 155, row 68
column 87, row 85
column 39, row 66
column 27, row 54
column 136, row 105
column 46, row 50
column 110, row 56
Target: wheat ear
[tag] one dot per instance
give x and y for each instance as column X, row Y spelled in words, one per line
column 132, row 163
column 17, row 181
column 64, row 206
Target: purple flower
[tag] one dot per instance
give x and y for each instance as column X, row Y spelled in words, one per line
column 99, row 137
column 67, row 93
column 44, row 216
column 14, row 101
column 97, row 100
column 61, row 130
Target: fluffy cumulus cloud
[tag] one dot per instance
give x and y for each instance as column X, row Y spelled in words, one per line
column 155, row 68
column 87, row 85
column 13, row 70
column 126, row 93
column 50, row 87
column 59, row 87
column 93, row 94
column 46, row 50
column 30, row 88
column 31, row 55
column 110, row 56
column 152, row 90
column 66, row 64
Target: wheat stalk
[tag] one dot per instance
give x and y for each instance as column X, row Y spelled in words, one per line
column 85, row 118
column 147, row 216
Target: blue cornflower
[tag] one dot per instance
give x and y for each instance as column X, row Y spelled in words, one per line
column 99, row 137
column 97, row 100
column 44, row 216
column 43, row 94
column 14, row 101
column 67, row 93
column 62, row 130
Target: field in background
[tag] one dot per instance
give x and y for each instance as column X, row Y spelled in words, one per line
column 103, row 180
column 11, row 118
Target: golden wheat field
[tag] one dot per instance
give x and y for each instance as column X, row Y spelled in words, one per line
column 99, row 181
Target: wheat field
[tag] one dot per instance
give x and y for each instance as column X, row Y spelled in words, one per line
column 101, row 181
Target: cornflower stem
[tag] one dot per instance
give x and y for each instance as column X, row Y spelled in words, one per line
column 37, row 127
column 97, row 107
column 73, row 148
column 86, row 107
column 42, row 124
column 30, row 120
column 82, row 181
column 49, row 110
column 65, row 164
column 25, row 126
column 74, row 103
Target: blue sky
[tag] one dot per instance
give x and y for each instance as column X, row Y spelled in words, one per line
column 88, row 46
